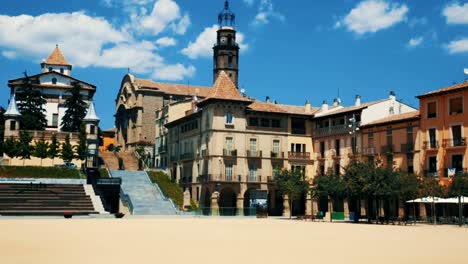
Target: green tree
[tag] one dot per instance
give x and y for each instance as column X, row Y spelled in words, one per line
column 293, row 184
column 31, row 106
column 459, row 185
column 356, row 179
column 82, row 143
column 76, row 110
column 54, row 148
column 67, row 150
column 11, row 147
column 41, row 149
column 330, row 186
column 25, row 149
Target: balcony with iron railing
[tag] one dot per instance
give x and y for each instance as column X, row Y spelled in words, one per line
column 277, row 155
column 207, row 178
column 253, row 179
column 332, row 130
column 387, row 149
column 407, row 147
column 431, row 145
column 230, row 152
column 460, row 171
column 455, row 142
column 254, row 154
column 298, row 155
column 187, row 156
column 162, row 149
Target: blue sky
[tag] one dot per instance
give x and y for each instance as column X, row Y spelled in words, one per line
column 291, row 50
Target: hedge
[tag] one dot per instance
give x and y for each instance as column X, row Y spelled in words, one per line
column 169, row 188
column 39, row 172
column 104, row 173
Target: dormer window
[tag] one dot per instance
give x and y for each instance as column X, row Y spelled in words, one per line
column 54, row 80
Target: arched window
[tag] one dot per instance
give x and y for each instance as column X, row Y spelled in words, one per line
column 54, row 80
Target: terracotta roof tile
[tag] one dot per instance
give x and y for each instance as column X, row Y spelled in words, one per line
column 176, row 89
column 225, row 89
column 281, row 108
column 57, row 58
column 394, row 118
column 452, row 88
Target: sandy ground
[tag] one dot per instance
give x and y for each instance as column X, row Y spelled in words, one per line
column 225, row 240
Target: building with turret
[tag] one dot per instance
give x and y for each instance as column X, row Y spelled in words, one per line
column 54, row 82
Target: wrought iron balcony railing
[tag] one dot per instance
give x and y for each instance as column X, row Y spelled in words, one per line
column 277, row 155
column 407, row 147
column 254, row 154
column 299, row 155
column 230, row 152
column 455, row 142
column 432, row 144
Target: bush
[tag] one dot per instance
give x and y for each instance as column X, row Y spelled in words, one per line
column 39, row 172
column 169, row 188
column 103, row 172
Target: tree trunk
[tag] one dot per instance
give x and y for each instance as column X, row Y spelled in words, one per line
column 290, row 208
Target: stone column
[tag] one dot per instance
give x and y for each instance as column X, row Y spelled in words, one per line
column 240, row 204
column 422, row 210
column 364, row 208
column 401, row 208
column 186, row 200
column 315, row 208
column 286, row 209
column 308, row 205
column 346, row 209
column 214, row 203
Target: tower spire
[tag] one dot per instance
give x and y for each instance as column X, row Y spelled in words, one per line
column 226, row 17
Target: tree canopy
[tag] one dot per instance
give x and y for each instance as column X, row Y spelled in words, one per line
column 76, row 110
column 31, row 106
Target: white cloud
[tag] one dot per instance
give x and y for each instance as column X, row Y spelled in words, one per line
column 416, row 41
column 9, row 54
column 80, row 36
column 456, row 13
column 370, row 16
column 203, row 45
column 458, row 46
column 174, row 72
column 266, row 12
column 166, row 42
column 165, row 14
column 85, row 41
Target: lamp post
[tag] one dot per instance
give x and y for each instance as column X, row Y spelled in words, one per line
column 353, row 128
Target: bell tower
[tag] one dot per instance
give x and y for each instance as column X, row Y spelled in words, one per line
column 226, row 50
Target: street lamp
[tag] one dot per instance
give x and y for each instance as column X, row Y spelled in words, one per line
column 353, row 128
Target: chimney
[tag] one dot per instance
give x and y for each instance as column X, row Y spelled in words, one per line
column 324, row 106
column 307, row 106
column 392, row 96
column 358, row 100
column 267, row 100
column 335, row 102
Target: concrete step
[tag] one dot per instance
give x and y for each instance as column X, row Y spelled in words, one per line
column 144, row 196
column 95, row 199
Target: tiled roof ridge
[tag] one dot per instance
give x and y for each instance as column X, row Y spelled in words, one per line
column 56, row 58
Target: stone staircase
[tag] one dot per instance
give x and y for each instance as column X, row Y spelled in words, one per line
column 95, row 199
column 143, row 196
column 110, row 160
column 129, row 160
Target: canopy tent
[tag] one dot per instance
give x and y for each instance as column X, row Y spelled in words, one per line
column 428, row 199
